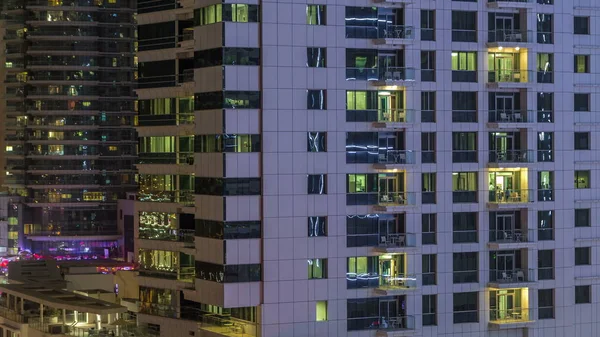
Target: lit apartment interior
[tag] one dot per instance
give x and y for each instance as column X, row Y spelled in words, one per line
column 388, row 273
column 386, row 105
column 509, row 306
column 508, row 65
column 508, row 185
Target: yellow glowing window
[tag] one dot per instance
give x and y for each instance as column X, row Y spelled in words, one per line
column 93, row 196
column 112, row 148
column 112, row 1
column 86, row 103
column 65, row 196
column 9, row 148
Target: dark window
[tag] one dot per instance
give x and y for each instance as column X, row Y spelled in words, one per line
column 464, row 107
column 156, row 74
column 317, row 268
column 227, row 100
column 581, row 64
column 317, row 142
column 581, row 25
column 228, row 186
column 428, row 65
column 545, row 146
column 316, row 15
column 545, row 66
column 545, row 28
column 228, row 273
column 227, row 143
column 546, row 303
column 583, row 256
column 230, row 230
column 583, row 217
column 429, row 228
column 545, row 2
column 363, row 313
column 428, row 147
column 227, row 56
column 363, row 230
column 583, row 294
column 316, row 57
column 582, row 140
column 464, row 147
column 546, row 264
column 429, row 264
column 429, row 310
column 428, row 103
column 581, row 102
column 464, row 227
column 427, row 25
column 157, row 36
column 465, row 267
column 545, row 225
column 464, row 26
column 317, row 226
column 465, row 307
column 316, row 99
column 317, row 184
column 545, row 105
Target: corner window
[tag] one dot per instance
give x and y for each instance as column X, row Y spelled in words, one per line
column 317, row 142
column 582, row 141
column 581, row 25
column 582, row 179
column 582, row 64
column 583, row 256
column 316, row 15
column 316, row 57
column 317, row 184
column 317, row 269
column 316, row 99
column 317, row 226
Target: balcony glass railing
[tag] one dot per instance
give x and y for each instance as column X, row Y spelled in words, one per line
column 396, row 116
column 513, row 315
column 397, row 32
column 464, row 156
column 397, row 157
column 512, row 235
column 511, row 156
column 512, row 275
column 403, row 281
column 511, row 116
column 184, row 197
column 395, row 240
column 510, row 36
column 381, row 74
column 396, row 198
column 459, row 197
column 511, row 196
column 166, row 234
column 181, row 274
column 510, row 76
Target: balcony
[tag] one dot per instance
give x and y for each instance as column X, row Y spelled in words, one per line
column 461, row 197
column 510, row 197
column 512, row 278
column 510, row 3
column 184, row 197
column 394, row 118
column 509, row 38
column 225, row 325
column 395, row 35
column 498, row 158
column 396, row 242
column 511, row 318
column 514, row 78
column 381, row 76
column 394, row 326
column 395, row 158
column 164, row 234
column 184, row 274
column 395, row 2
column 511, row 239
column 396, row 285
column 394, row 201
column 510, row 119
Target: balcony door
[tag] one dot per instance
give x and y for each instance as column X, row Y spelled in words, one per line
column 506, row 304
column 505, row 223
column 388, row 225
column 389, row 308
column 505, row 24
column 392, row 269
column 388, row 141
column 505, row 261
column 504, row 143
column 505, row 103
column 387, row 60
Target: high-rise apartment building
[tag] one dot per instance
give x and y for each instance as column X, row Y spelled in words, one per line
column 369, row 168
column 68, row 114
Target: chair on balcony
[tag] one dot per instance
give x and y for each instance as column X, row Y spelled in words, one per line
column 397, row 76
column 387, row 76
column 506, row 277
column 401, row 241
column 503, row 117
column 520, row 275
column 383, row 241
column 517, row 116
column 508, row 236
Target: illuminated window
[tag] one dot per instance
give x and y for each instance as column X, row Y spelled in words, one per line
column 321, row 311
column 9, row 148
column 112, row 148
